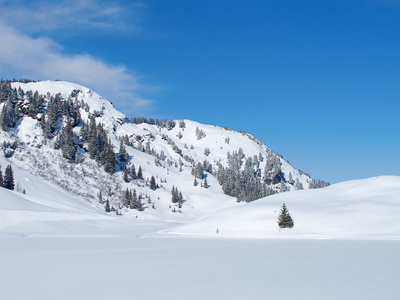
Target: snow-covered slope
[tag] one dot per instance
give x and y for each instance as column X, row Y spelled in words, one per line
column 41, row 203
column 48, row 256
column 168, row 151
column 110, row 116
column 59, row 189
column 367, row 208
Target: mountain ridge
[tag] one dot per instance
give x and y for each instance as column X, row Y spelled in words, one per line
column 169, row 150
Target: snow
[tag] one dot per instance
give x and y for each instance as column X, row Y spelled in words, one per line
column 366, row 209
column 174, row 268
column 59, row 251
column 57, row 242
column 110, row 116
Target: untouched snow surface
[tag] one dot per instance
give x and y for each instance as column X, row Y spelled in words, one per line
column 368, row 209
column 55, row 247
column 190, row 268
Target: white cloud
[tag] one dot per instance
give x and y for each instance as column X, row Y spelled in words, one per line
column 37, row 16
column 41, row 58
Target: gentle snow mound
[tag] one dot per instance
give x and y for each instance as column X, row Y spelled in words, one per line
column 367, row 208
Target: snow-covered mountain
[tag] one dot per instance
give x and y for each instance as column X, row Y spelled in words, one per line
column 229, row 167
column 63, row 144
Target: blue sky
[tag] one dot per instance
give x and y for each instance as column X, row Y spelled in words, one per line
column 317, row 81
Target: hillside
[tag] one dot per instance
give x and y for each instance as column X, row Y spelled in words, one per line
column 58, row 242
column 72, row 137
column 366, row 209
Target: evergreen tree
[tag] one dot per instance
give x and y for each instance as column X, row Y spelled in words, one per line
column 180, row 199
column 174, row 194
column 290, row 179
column 53, row 114
column 284, row 219
column 127, row 198
column 153, row 183
column 8, row 181
column 84, row 131
column 197, row 171
column 68, row 142
column 133, row 172
column 100, row 197
column 107, row 206
column 135, row 198
column 32, row 111
column 93, row 139
column 195, row 183
column 205, row 183
column 1, row 177
column 43, row 123
column 125, row 174
column 298, row 185
column 140, row 173
column 107, row 157
column 122, row 155
column 8, row 116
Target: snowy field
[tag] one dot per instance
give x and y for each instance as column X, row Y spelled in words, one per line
column 197, row 268
column 345, row 245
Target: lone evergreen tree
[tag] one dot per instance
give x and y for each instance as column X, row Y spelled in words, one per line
column 284, row 219
column 8, row 181
column 107, row 206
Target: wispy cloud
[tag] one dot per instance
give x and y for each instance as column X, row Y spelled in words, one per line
column 38, row 16
column 27, row 56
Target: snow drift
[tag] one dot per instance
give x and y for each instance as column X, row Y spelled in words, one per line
column 367, row 208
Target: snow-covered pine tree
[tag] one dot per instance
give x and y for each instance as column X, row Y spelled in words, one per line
column 127, row 197
column 68, row 142
column 174, row 194
column 54, row 109
column 125, row 174
column 140, row 173
column 107, row 157
column 153, row 183
column 205, row 184
column 197, row 171
column 290, row 179
column 207, row 151
column 8, row 116
column 93, row 139
column 180, row 199
column 107, row 206
column 284, row 219
column 100, row 197
column 298, row 185
column 133, row 172
column 1, row 177
column 8, row 181
column 122, row 155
